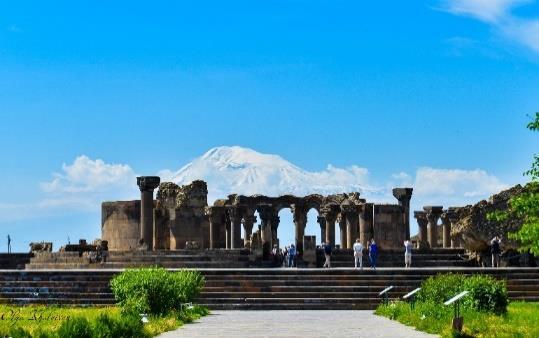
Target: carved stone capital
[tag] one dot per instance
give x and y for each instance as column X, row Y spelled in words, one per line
column 421, row 217
column 148, row 183
column 403, row 195
column 433, row 213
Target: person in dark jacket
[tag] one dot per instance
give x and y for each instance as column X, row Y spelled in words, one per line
column 327, row 253
column 495, row 250
column 373, row 254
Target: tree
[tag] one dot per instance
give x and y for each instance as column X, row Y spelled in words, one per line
column 525, row 207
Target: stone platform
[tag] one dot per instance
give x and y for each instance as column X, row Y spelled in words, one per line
column 238, row 258
column 438, row 257
column 256, row 289
column 173, row 259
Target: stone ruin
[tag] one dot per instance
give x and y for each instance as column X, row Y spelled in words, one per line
column 40, row 247
column 470, row 228
column 180, row 218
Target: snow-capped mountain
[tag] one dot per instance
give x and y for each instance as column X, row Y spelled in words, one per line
column 245, row 171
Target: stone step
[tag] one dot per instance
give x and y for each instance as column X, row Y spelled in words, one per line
column 59, row 301
column 58, row 295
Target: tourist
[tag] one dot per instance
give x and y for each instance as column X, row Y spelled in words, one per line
column 407, row 253
column 358, row 254
column 495, row 250
column 292, row 256
column 327, row 253
column 373, row 253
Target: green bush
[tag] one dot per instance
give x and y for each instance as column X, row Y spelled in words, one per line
column 129, row 326
column 77, row 327
column 440, row 288
column 486, row 294
column 155, row 290
column 19, row 332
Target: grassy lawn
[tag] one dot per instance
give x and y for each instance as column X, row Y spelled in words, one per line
column 521, row 320
column 36, row 319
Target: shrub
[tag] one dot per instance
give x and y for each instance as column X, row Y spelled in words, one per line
column 486, row 294
column 19, row 332
column 440, row 288
column 77, row 327
column 129, row 326
column 155, row 290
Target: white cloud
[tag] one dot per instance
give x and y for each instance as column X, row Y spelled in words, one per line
column 81, row 186
column 498, row 14
column 455, row 182
column 525, row 31
column 485, row 10
column 85, row 175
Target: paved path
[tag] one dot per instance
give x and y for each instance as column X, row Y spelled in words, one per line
column 295, row 324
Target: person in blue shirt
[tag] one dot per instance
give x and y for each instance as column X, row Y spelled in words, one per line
column 292, row 256
column 327, row 253
column 373, row 253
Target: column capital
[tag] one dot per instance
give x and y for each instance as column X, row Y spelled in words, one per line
column 329, row 212
column 235, row 214
column 433, row 212
column 348, row 207
column 403, row 195
column 445, row 217
column 148, row 183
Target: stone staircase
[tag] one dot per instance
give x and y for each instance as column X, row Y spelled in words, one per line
column 259, row 289
column 343, row 258
column 177, row 259
column 14, row 260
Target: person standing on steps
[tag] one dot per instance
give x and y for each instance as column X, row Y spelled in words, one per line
column 327, row 253
column 358, row 254
column 495, row 250
column 407, row 253
column 373, row 254
column 292, row 256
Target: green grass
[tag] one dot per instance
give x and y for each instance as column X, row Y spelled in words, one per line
column 40, row 318
column 521, row 320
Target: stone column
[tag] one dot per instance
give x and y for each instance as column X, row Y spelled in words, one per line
column 215, row 217
column 236, row 215
column 433, row 215
column 342, row 227
column 249, row 219
column 299, row 213
column 274, row 221
column 265, row 212
column 403, row 195
column 350, row 211
column 330, row 216
column 422, row 221
column 322, row 221
column 446, row 226
column 147, row 184
column 228, row 238
column 365, row 223
column 453, row 219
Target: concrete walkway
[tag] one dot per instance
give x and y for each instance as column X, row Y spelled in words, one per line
column 295, row 324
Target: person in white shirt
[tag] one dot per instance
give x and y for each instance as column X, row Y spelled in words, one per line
column 358, row 254
column 407, row 253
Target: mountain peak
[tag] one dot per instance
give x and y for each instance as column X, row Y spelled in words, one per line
column 235, row 169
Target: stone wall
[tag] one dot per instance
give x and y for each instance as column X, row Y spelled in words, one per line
column 389, row 228
column 120, row 224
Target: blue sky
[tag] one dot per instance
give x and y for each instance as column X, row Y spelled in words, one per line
column 389, row 86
